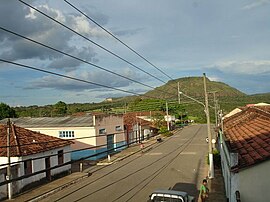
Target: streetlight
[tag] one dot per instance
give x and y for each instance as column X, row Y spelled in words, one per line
column 206, row 110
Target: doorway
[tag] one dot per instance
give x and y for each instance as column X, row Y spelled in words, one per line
column 47, row 166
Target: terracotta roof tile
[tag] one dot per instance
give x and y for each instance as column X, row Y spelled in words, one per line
column 131, row 118
column 25, row 142
column 248, row 133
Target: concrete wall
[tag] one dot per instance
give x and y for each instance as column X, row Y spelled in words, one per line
column 255, row 183
column 228, row 160
column 109, row 123
column 79, row 132
column 37, row 165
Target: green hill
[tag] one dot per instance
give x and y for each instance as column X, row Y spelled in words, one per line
column 193, row 86
column 154, row 100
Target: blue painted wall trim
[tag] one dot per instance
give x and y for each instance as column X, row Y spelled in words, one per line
column 85, row 153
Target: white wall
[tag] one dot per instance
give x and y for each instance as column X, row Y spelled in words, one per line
column 255, row 183
column 79, row 132
column 3, row 188
column 39, row 164
column 228, row 160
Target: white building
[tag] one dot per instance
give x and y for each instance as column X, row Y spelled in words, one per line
column 31, row 152
column 245, row 154
column 91, row 134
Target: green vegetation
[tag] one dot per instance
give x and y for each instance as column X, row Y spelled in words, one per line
column 228, row 99
column 6, row 111
column 164, row 132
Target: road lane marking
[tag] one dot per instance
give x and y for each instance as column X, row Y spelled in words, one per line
column 154, row 154
column 189, row 153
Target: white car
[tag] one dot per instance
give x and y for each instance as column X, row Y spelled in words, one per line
column 170, row 196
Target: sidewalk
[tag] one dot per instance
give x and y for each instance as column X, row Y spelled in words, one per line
column 47, row 189
column 216, row 185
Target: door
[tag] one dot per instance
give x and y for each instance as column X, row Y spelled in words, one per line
column 110, row 143
column 48, row 165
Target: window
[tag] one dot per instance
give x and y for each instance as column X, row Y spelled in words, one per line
column 102, row 131
column 28, row 167
column 66, row 134
column 118, row 128
column 60, row 157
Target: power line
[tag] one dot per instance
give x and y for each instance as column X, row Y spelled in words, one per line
column 130, row 174
column 112, row 171
column 115, row 37
column 72, row 78
column 89, row 40
column 155, row 174
column 79, row 59
column 64, row 164
column 133, row 140
column 70, row 139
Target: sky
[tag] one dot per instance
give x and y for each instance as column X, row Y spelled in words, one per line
column 228, row 40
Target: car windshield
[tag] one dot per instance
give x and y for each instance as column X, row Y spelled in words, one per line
column 167, row 199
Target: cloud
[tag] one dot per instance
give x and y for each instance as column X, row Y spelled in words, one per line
column 127, row 32
column 28, row 22
column 255, row 4
column 69, row 64
column 250, row 67
column 112, row 95
column 99, row 77
column 213, row 78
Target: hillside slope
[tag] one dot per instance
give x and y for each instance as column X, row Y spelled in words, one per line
column 193, row 86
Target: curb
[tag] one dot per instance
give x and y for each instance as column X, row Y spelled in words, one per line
column 44, row 195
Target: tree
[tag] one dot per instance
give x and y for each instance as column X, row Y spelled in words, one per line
column 6, row 111
column 60, row 108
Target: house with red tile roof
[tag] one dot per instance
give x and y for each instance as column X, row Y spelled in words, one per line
column 31, row 152
column 244, row 146
column 94, row 135
column 139, row 126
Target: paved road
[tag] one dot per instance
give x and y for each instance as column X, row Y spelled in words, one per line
column 177, row 163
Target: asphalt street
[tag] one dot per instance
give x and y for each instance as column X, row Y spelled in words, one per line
column 177, row 163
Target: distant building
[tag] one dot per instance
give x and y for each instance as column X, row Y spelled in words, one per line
column 27, row 145
column 139, row 126
column 92, row 134
column 244, row 146
column 108, row 100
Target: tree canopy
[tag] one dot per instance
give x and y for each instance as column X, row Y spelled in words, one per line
column 6, row 111
column 60, row 108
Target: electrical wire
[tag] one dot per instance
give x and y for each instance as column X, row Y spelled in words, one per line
column 59, row 139
column 157, row 172
column 118, row 168
column 128, row 175
column 81, row 60
column 89, row 40
column 67, row 152
column 119, row 40
column 66, row 163
column 72, row 78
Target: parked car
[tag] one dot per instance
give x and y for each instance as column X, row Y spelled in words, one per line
column 170, row 196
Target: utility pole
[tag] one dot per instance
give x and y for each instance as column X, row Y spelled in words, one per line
column 9, row 167
column 215, row 107
column 167, row 114
column 179, row 98
column 211, row 161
